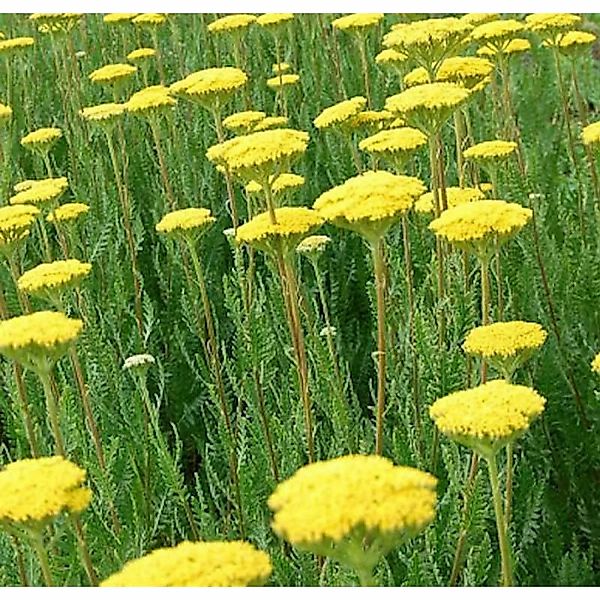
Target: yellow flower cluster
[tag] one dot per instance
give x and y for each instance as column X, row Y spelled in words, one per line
column 596, row 363
column 487, row 417
column 278, row 68
column 196, row 564
column 495, row 33
column 328, row 502
column 37, row 489
column 243, row 122
column 395, row 141
column 260, row 155
column 208, row 85
column 53, row 278
column 185, row 221
column 103, row 113
column 274, row 20
column 479, row 18
column 280, row 81
column 41, row 140
column 13, row 45
column 113, row 73
column 118, row 18
column 313, row 244
column 15, row 222
column 270, row 123
column 505, row 339
column 68, row 212
column 572, row 41
column 357, row 22
column 231, row 23
column 5, row 114
column 279, row 184
column 469, row 71
column 454, row 195
column 39, row 339
column 490, row 150
column 149, row 19
column 141, row 54
column 340, row 113
column 508, row 48
column 545, row 23
column 591, row 134
column 391, row 57
column 55, row 22
column 292, row 224
column 41, row 191
column 150, row 101
column 369, row 118
column 473, row 226
column 369, row 203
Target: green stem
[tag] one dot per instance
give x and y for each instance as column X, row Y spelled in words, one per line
column 380, row 285
column 52, row 408
column 37, row 542
column 509, row 484
column 162, row 163
column 84, row 551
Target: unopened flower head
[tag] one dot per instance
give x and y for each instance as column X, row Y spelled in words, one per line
column 236, row 22
column 210, row 86
column 352, row 507
column 340, row 114
column 488, row 417
column 35, row 490
column 41, row 140
column 41, row 192
column 15, row 225
column 370, row 203
column 139, row 363
column 185, row 223
column 39, row 339
column 454, row 195
column 357, row 23
column 313, row 246
column 196, row 564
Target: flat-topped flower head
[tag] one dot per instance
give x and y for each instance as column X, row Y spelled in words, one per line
column 394, row 144
column 313, row 246
column 260, row 155
column 591, row 134
column 391, row 58
column 496, row 33
column 506, row 345
column 41, row 192
column 493, row 151
column 39, row 339
column 549, row 25
column 41, row 140
column 210, row 86
column 279, row 68
column 151, row 101
column 6, row 114
column 353, row 508
column 454, row 195
column 51, row 280
column 15, row 46
column 571, row 43
column 371, row 203
column 149, row 20
column 15, row 225
column 139, row 363
column 596, row 364
column 358, row 22
column 280, row 81
column 468, row 71
column 429, row 41
column 275, row 22
column 113, row 74
column 141, row 55
column 478, row 226
column 35, row 490
column 340, row 114
column 68, row 213
column 292, row 224
column 119, row 18
column 488, row 417
column 243, row 122
column 428, row 106
column 231, row 23
column 55, row 23
column 275, row 122
column 371, row 120
column 196, row 564
column 105, row 116
column 186, row 223
column 508, row 48
column 279, row 185
column 479, row 18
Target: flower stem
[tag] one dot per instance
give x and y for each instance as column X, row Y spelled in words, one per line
column 361, row 42
column 509, row 484
column 37, row 542
column 84, row 551
column 380, row 285
column 507, row 574
column 162, row 163
column 52, row 408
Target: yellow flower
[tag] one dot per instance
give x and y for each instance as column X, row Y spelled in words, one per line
column 105, row 115
column 479, row 18
column 281, row 183
column 278, row 68
column 506, row 346
column 507, row 48
column 260, row 155
column 15, row 45
column 51, row 280
column 235, row 22
column 43, row 191
column 5, row 114
column 149, row 19
column 357, row 22
column 391, row 57
column 150, row 101
column 274, row 20
column 55, row 22
column 572, row 42
column 591, row 134
column 34, row 490
column 243, row 122
column 397, row 142
column 492, row 150
column 495, row 33
column 196, row 564
column 551, row 23
column 428, row 106
column 476, row 225
column 209, row 85
column 110, row 74
column 369, row 203
column 353, row 508
column 185, row 222
column 270, row 123
column 281, row 81
column 41, row 140
column 39, row 339
column 141, row 55
column 469, row 71
column 488, row 417
column 68, row 212
column 455, row 196
column 15, row 223
column 596, row 363
column 118, row 18
column 371, row 119
column 313, row 245
column 340, row 113
column 293, row 223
